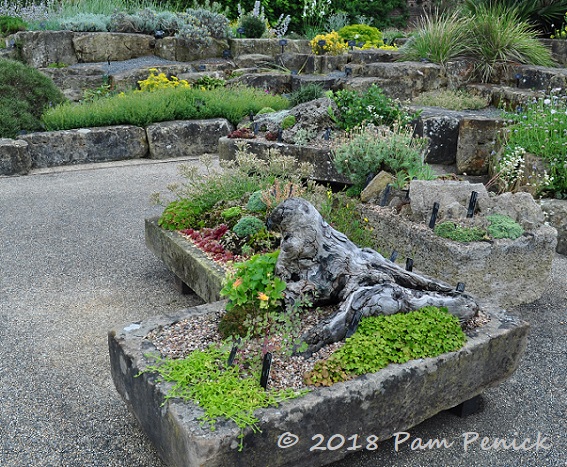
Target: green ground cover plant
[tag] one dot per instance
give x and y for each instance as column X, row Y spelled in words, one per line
column 459, row 233
column 451, row 99
column 144, row 108
column 397, row 338
column 24, row 94
column 499, row 226
column 372, row 149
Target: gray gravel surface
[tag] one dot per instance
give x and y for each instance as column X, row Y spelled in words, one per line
column 73, row 264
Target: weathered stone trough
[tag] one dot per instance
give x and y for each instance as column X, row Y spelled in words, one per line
column 372, row 407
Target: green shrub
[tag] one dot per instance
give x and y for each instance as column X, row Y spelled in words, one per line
column 397, row 338
column 382, row 14
column 247, row 226
column 362, row 33
column 254, row 26
column 24, row 94
column 370, row 107
column 288, row 121
column 255, row 203
column 11, row 25
column 231, row 213
column 370, row 150
column 144, row 108
column 265, row 110
column 504, row 227
column 459, row 233
column 214, row 22
column 305, row 93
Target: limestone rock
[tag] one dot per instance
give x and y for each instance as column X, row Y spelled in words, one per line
column 519, row 206
column 478, row 137
column 55, row 148
column 376, row 186
column 14, row 157
column 298, row 63
column 253, row 60
column 424, row 193
column 113, row 46
column 441, row 127
column 174, row 48
column 74, row 81
column 556, row 212
column 277, row 83
column 186, row 138
column 270, row 47
column 40, row 49
column 312, row 116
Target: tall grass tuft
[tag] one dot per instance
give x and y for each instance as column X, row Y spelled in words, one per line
column 438, row 38
column 498, row 38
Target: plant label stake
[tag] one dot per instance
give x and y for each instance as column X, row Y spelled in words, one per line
column 409, row 264
column 202, row 67
column 393, row 256
column 226, row 53
column 240, row 31
column 348, row 71
column 385, row 195
column 352, row 44
column 472, row 205
column 280, row 134
column 434, row 215
column 251, row 115
column 518, row 78
column 327, row 134
column 266, row 366
column 460, row 287
column 232, row 355
column 283, row 43
column 354, row 323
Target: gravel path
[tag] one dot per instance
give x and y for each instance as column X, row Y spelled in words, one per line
column 73, row 264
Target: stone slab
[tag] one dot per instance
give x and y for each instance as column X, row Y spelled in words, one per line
column 14, row 157
column 186, row 261
column 503, row 272
column 182, row 138
column 67, row 147
column 270, row 47
column 380, row 404
column 112, row 46
column 321, row 158
column 556, row 213
column 40, row 49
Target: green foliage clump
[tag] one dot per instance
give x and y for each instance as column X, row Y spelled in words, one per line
column 254, row 26
column 231, row 213
column 306, row 93
column 214, row 22
column 265, row 110
column 493, row 37
column 397, row 338
column 180, row 103
column 24, row 94
column 86, row 22
column 452, row 100
column 181, row 214
column 209, row 82
column 370, row 150
column 504, row 227
column 372, row 106
column 254, row 284
column 222, row 391
column 460, row 233
column 288, row 122
column 380, row 14
column 247, row 226
column 369, row 35
column 11, row 25
column 255, row 202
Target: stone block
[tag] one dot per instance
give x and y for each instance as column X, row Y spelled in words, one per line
column 502, row 272
column 556, row 213
column 327, row 82
column 185, row 260
column 40, row 49
column 328, row 63
column 253, row 60
column 270, row 47
column 478, row 136
column 278, row 83
column 391, row 400
column 184, row 138
column 558, row 49
column 376, row 186
column 181, row 50
column 74, row 81
column 321, row 158
column 113, row 46
column 373, row 56
column 14, row 157
column 537, row 77
column 405, row 80
column 441, row 127
column 68, row 147
column 298, row 63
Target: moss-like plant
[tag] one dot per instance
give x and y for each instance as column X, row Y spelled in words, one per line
column 231, row 213
column 504, row 227
column 397, row 338
column 247, row 226
column 459, row 233
column 288, row 122
column 255, row 202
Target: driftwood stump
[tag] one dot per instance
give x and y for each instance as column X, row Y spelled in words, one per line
column 322, row 265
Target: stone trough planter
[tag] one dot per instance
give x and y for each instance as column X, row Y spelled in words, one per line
column 373, row 407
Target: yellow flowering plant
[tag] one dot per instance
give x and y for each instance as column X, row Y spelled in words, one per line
column 333, row 45
column 156, row 81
